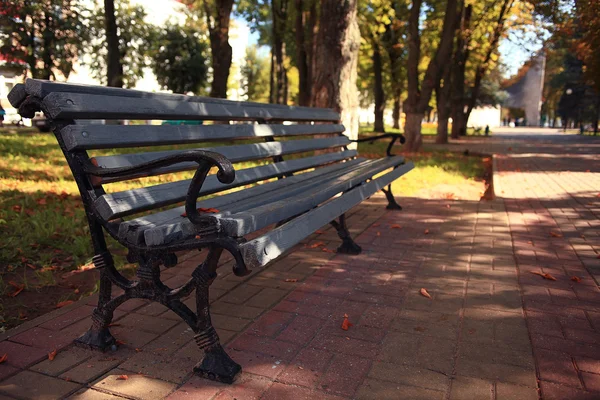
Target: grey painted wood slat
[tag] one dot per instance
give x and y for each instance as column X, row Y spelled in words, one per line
column 268, row 247
column 247, row 220
column 168, row 231
column 41, row 88
column 251, row 220
column 88, row 137
column 168, row 220
column 236, row 153
column 17, row 95
column 89, row 106
column 120, row 204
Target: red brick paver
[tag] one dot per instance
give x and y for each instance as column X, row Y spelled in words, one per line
column 492, row 329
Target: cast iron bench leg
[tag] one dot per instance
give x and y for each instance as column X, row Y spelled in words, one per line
column 348, row 245
column 216, row 363
column 98, row 337
column 392, row 205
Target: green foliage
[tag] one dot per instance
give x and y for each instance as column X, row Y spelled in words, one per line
column 135, row 38
column 41, row 37
column 255, row 73
column 179, row 59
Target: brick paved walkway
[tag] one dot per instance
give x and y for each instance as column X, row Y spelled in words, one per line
column 492, row 330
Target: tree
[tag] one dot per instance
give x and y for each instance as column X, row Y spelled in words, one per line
column 133, row 44
column 41, row 37
column 255, row 76
column 485, row 31
column 305, row 34
column 114, row 67
column 420, row 91
column 179, row 60
column 336, row 59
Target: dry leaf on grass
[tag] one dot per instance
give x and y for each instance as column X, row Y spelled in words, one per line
column 544, row 275
column 18, row 288
column 51, row 355
column 122, row 377
column 64, row 303
column 555, row 234
column 424, row 292
column 345, row 323
column 3, row 358
column 576, row 279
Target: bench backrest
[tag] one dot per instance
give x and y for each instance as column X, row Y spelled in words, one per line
column 259, row 132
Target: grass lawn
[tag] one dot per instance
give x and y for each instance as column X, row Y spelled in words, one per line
column 45, row 234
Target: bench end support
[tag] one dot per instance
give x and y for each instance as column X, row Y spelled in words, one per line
column 216, row 365
column 348, row 245
column 392, row 205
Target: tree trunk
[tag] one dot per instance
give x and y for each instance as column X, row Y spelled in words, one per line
column 336, row 62
column 272, row 87
column 279, row 14
column 396, row 110
column 458, row 71
column 217, row 19
column 302, row 56
column 442, row 95
column 418, row 97
column 114, row 68
column 412, row 131
column 378, row 89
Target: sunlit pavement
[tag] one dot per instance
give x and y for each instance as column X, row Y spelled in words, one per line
column 494, row 328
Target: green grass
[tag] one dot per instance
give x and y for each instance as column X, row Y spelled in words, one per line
column 42, row 221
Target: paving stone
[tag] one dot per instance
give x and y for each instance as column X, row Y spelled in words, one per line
column 466, row 388
column 91, row 394
column 259, row 364
column 147, row 323
column 247, row 387
column 279, row 391
column 344, row 375
column 499, row 372
column 93, row 367
column 21, row 356
column 409, row 375
column 307, row 368
column 63, row 361
column 507, row 391
column 44, row 339
column 591, row 381
column 553, row 391
column 32, row 385
column 197, row 388
column 7, row 370
column 372, row 389
column 138, row 386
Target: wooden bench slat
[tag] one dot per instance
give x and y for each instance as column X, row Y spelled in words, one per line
column 120, row 204
column 260, row 251
column 89, row 106
column 170, row 219
column 42, row 88
column 244, row 219
column 236, row 153
column 88, row 137
column 251, row 220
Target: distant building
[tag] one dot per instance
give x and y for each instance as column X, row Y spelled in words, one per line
column 524, row 100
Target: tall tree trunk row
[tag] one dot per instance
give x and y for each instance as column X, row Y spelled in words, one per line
column 378, row 88
column 114, row 67
column 217, row 19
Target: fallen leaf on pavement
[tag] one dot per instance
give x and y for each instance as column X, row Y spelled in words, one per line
column 326, row 250
column 51, row 355
column 376, row 225
column 426, row 231
column 291, row 280
column 64, row 303
column 319, row 232
column 120, row 342
column 576, row 279
column 378, row 233
column 122, row 377
column 554, row 234
column 395, row 226
column 3, row 358
column 203, row 210
column 424, row 292
column 544, row 275
column 315, row 245
column 346, row 324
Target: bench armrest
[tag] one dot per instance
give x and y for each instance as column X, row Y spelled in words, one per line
column 394, row 136
column 205, row 159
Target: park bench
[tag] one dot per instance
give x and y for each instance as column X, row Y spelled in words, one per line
column 321, row 182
